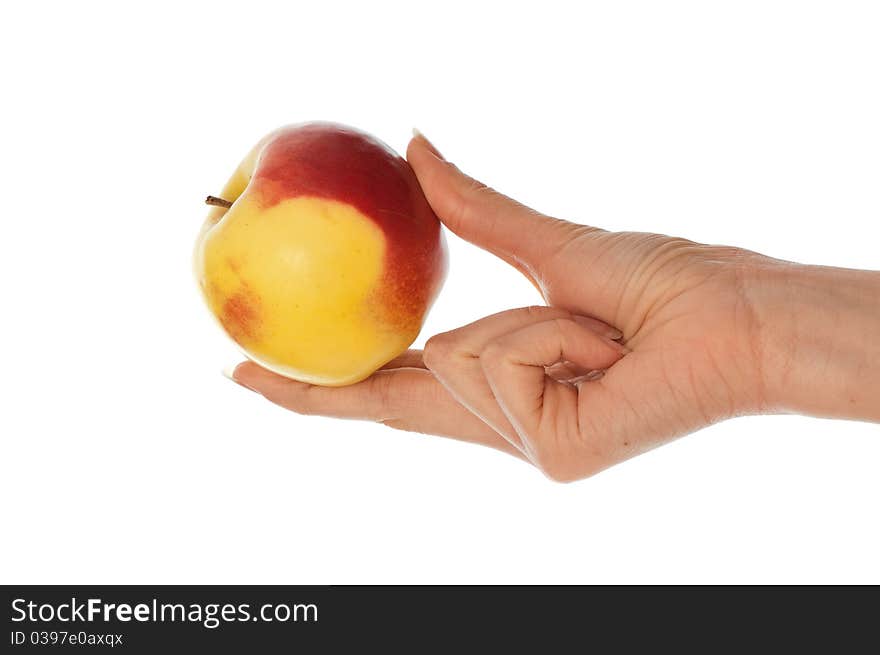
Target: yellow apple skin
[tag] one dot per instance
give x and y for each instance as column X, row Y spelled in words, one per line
column 329, row 258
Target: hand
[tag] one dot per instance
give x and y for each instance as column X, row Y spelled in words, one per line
column 645, row 338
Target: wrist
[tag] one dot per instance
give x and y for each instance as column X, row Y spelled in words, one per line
column 817, row 339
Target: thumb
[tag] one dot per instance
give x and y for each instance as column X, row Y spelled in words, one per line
column 519, row 235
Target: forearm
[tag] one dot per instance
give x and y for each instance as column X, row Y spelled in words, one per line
column 818, row 339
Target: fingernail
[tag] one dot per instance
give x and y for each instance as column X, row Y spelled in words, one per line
column 591, row 376
column 614, row 334
column 598, row 326
column 418, row 135
column 229, row 372
column 614, row 343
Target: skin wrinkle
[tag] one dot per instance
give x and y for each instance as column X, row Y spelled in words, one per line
column 599, row 262
column 462, row 207
column 386, row 398
column 777, row 349
column 593, row 264
column 728, row 404
column 592, row 437
column 551, row 259
column 570, row 398
column 654, row 270
column 607, row 245
column 702, row 388
column 680, row 406
column 745, row 311
column 536, row 274
column 747, row 324
column 700, row 405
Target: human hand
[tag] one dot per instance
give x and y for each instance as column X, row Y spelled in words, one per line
column 696, row 338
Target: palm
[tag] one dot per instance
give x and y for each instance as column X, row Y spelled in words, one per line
column 676, row 302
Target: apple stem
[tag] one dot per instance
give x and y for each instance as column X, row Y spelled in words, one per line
column 217, row 202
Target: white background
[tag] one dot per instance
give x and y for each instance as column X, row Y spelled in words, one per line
column 126, row 457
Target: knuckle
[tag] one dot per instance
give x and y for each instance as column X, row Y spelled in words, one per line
column 559, row 467
column 557, row 472
column 551, row 463
column 493, row 354
column 538, row 311
column 541, row 313
column 438, row 350
column 381, row 393
column 563, row 324
column 473, row 188
column 559, row 477
column 466, row 194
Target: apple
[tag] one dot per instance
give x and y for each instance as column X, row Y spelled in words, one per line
column 321, row 256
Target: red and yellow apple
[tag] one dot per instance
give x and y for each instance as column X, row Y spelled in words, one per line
column 323, row 257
